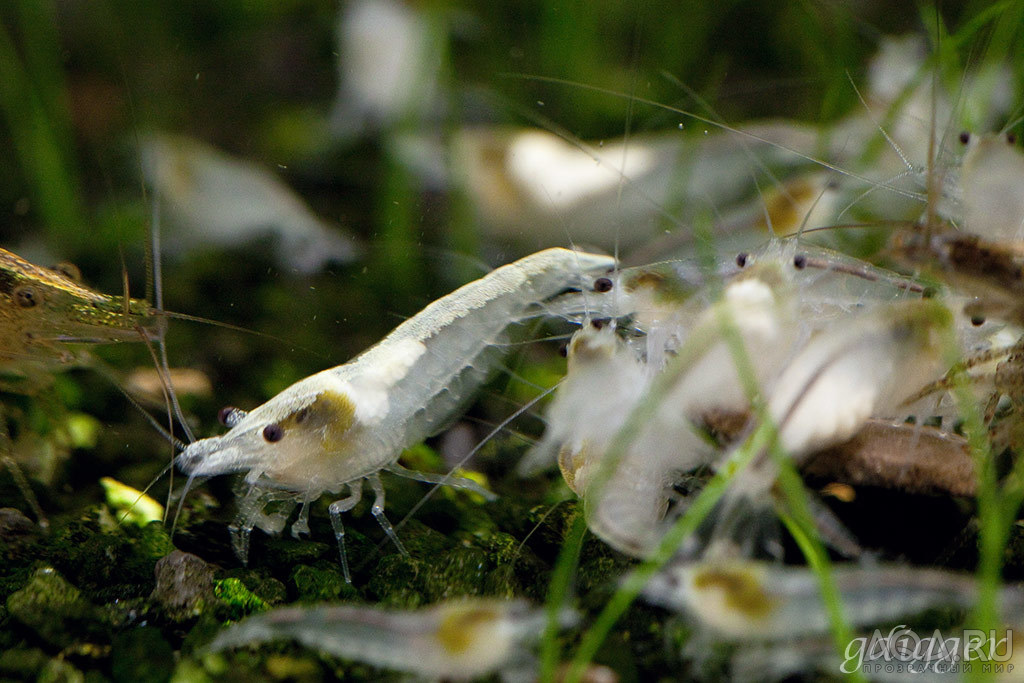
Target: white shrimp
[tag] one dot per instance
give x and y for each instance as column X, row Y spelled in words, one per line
column 853, row 370
column 214, row 198
column 458, row 639
column 342, row 425
column 742, row 599
column 626, row 511
column 992, row 185
column 817, row 326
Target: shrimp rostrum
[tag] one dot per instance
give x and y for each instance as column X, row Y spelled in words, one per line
column 339, row 427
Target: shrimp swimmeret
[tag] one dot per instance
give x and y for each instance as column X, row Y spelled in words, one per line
column 342, row 425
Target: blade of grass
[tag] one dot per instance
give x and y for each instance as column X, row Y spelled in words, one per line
column 697, row 344
column 638, row 578
column 50, row 181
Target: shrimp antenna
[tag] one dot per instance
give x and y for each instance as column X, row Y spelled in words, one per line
column 144, row 491
column 235, row 328
column 848, row 226
column 807, row 216
column 163, row 366
column 106, row 373
column 181, row 502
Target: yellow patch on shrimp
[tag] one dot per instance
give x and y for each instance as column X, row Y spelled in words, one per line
column 801, row 202
column 459, row 629
column 739, row 590
column 331, row 413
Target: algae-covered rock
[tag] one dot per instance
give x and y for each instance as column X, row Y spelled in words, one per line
column 16, row 528
column 56, row 610
column 184, row 585
column 109, row 563
column 457, row 573
column 247, row 593
column 18, row 535
column 313, row 584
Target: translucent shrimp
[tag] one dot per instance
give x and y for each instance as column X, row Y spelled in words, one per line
column 334, row 429
column 855, row 369
column 46, row 316
column 218, row 199
column 992, row 187
column 627, row 509
column 45, row 311
column 757, row 600
column 459, row 639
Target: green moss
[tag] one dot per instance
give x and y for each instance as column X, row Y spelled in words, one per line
column 190, row 671
column 141, row 655
column 281, row 668
column 281, row 553
column 420, row 540
column 56, row 610
column 248, row 593
column 152, row 540
column 315, row 584
column 395, row 582
column 458, row 572
column 108, row 561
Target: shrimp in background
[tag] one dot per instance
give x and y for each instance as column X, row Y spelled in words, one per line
column 750, row 600
column 778, row 611
column 457, row 640
column 47, row 318
column 217, row 199
column 812, row 322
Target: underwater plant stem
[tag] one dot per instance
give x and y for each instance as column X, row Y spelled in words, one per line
column 558, row 594
column 997, row 506
column 801, row 527
column 638, row 578
column 37, row 140
column 798, row 519
column 568, row 558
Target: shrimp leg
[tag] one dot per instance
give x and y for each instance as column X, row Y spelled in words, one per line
column 251, row 515
column 445, row 479
column 355, row 494
column 378, row 512
column 300, row 527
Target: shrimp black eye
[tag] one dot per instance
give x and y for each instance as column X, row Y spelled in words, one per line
column 273, row 433
column 977, row 320
column 800, row 261
column 229, row 416
column 965, row 137
column 563, row 350
column 68, row 270
column 741, row 259
column 26, row 297
column 603, row 284
column 1011, row 139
